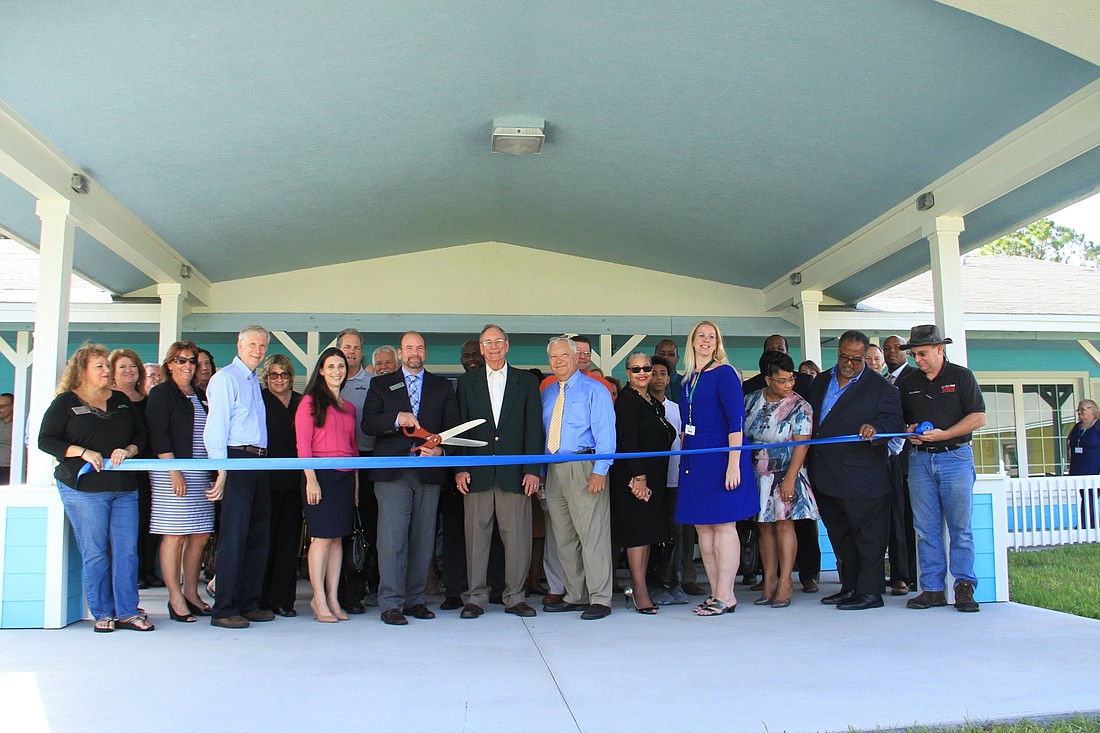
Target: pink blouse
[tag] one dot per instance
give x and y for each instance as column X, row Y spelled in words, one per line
column 335, row 440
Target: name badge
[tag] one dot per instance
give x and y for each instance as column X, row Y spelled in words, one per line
column 81, row 410
column 1078, row 449
column 689, row 430
column 397, row 386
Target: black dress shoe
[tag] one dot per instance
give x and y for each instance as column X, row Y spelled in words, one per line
column 286, row 612
column 393, row 617
column 355, row 608
column 153, row 581
column 472, row 610
column 563, row 606
column 861, row 603
column 450, row 603
column 841, row 597
column 419, row 611
column 595, row 611
column 520, row 609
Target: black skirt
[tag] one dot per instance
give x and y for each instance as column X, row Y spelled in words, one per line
column 332, row 517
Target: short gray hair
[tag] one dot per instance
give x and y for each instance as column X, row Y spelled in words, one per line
column 381, row 349
column 559, row 339
column 637, row 354
column 487, row 326
column 252, row 329
column 349, row 332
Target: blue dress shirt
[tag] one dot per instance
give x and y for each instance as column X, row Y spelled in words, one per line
column 588, row 420
column 237, row 415
column 833, row 393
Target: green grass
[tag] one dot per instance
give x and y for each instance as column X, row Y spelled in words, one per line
column 1075, row 724
column 1059, row 578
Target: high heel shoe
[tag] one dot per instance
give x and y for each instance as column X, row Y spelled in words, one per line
column 628, row 597
column 764, row 600
column 186, row 618
column 196, row 609
column 631, row 603
column 325, row 618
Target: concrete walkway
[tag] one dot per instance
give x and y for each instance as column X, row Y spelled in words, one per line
column 804, row 668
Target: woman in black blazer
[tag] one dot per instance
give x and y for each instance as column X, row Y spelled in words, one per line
column 183, row 501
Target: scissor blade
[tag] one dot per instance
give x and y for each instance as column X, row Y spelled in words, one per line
column 457, row 429
column 468, row 442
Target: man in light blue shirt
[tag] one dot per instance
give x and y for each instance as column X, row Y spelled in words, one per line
column 236, row 427
column 579, row 417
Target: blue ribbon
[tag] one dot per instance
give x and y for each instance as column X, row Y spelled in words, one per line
column 416, row 461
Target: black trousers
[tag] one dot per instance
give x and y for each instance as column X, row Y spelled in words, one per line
column 808, row 556
column 858, row 529
column 281, row 578
column 243, row 539
column 902, row 544
column 453, row 519
column 353, row 583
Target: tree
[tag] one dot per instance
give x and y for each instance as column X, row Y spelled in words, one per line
column 1045, row 240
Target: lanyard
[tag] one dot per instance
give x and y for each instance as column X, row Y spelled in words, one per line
column 694, row 384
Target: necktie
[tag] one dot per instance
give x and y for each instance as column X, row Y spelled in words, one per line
column 890, row 378
column 553, row 438
column 414, row 393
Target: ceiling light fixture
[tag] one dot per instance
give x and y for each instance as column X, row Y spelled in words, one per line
column 79, row 183
column 518, row 135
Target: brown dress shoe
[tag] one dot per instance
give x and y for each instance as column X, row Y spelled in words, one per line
column 810, row 586
column 551, row 598
column 419, row 611
column 520, row 609
column 393, row 617
column 899, row 588
column 258, row 614
column 472, row 610
column 694, row 589
column 229, row 622
column 595, row 611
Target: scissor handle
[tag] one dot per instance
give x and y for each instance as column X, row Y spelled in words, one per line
column 430, row 439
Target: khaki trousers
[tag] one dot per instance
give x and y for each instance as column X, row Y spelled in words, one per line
column 582, row 530
column 513, row 517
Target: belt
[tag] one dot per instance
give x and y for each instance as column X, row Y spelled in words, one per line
column 940, row 448
column 253, row 449
column 582, row 452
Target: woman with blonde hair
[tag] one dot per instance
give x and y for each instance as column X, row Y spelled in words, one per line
column 89, row 423
column 716, row 489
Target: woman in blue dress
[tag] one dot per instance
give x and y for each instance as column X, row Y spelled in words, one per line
column 716, row 489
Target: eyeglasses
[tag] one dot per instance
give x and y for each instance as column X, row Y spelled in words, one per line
column 582, row 352
column 849, row 359
column 781, row 382
column 493, row 342
column 184, row 360
column 635, row 369
column 278, row 375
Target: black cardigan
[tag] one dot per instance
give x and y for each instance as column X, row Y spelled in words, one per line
column 68, row 421
column 171, row 418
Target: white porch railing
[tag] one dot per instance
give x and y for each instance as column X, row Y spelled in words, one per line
column 1055, row 510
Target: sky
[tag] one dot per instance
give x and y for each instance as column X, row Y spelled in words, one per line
column 1083, row 217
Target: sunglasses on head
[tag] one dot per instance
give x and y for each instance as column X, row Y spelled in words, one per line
column 635, row 369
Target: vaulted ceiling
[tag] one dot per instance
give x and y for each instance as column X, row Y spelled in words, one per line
column 729, row 141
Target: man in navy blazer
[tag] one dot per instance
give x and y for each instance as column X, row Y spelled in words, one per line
column 508, row 399
column 407, row 497
column 852, row 480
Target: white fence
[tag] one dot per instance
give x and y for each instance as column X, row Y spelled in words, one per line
column 1055, row 510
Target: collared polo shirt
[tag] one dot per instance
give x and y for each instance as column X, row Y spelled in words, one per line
column 942, row 401
column 355, row 392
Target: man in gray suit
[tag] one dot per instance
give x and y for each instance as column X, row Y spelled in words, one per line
column 508, row 399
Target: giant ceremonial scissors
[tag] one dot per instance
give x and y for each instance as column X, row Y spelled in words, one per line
column 447, row 437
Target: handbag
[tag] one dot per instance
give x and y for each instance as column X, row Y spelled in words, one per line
column 210, row 557
column 750, row 547
column 663, row 564
column 360, row 548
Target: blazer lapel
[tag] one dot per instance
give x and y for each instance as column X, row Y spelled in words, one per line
column 845, row 396
column 510, row 392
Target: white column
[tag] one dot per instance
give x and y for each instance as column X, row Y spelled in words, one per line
column 22, row 364
column 943, row 240
column 809, row 324
column 51, row 322
column 171, row 315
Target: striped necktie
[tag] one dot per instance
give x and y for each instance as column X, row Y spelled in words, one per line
column 553, row 437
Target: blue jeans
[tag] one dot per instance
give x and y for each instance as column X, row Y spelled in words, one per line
column 106, row 527
column 941, row 487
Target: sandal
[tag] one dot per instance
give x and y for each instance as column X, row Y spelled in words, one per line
column 104, row 626
column 709, row 600
column 716, row 608
column 135, row 623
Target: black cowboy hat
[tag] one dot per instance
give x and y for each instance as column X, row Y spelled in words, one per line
column 928, row 335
